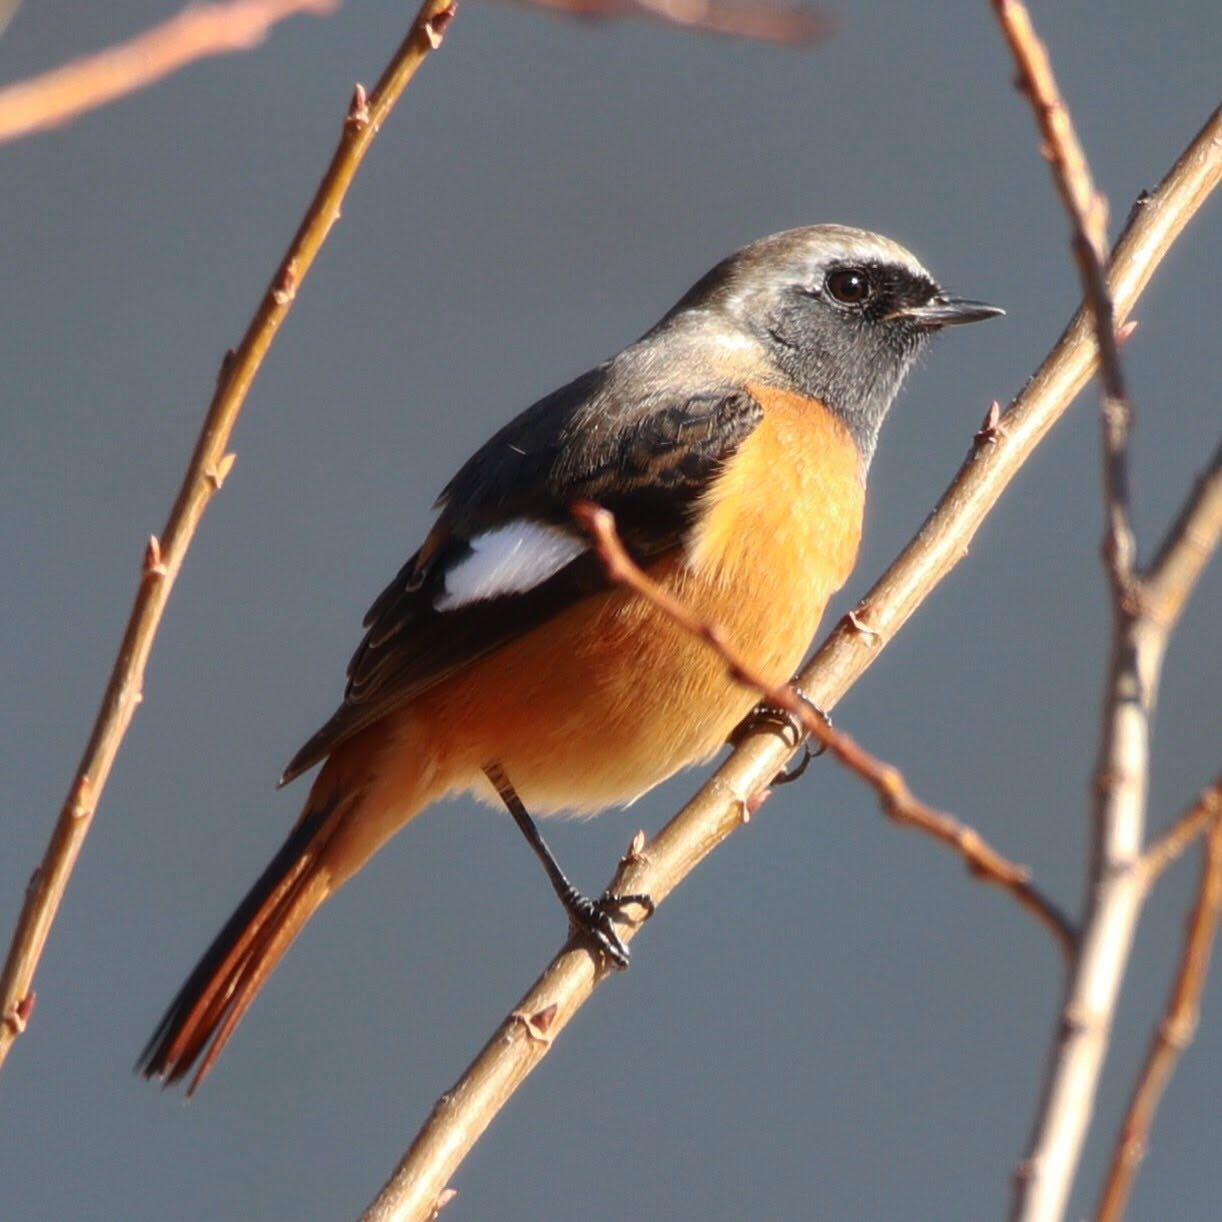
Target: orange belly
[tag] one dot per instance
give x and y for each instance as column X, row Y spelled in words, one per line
column 610, row 698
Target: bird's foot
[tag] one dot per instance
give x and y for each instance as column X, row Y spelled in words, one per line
column 595, row 918
column 773, row 715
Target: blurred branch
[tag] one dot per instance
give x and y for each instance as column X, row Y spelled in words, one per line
column 760, row 20
column 8, row 10
column 522, row 1040
column 1174, row 1033
column 202, row 30
column 198, row 31
column 1116, row 889
column 1190, row 542
column 207, row 469
column 896, row 799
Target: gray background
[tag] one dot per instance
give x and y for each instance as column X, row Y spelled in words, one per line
column 829, row 1019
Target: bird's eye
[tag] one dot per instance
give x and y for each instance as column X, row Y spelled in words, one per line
column 849, row 285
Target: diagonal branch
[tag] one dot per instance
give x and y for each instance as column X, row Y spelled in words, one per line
column 1172, row 844
column 197, row 32
column 164, row 557
column 8, row 10
column 1173, row 1034
column 896, row 799
column 522, row 1040
column 1186, row 550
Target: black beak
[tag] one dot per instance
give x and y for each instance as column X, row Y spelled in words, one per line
column 944, row 311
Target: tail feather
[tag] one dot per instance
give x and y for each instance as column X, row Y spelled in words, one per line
column 208, row 1007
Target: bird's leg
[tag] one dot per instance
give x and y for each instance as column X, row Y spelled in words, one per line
column 591, row 916
column 771, row 714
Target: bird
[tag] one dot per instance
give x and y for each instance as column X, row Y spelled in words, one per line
column 731, row 442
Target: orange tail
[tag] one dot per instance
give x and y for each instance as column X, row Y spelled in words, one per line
column 209, row 1006
column 366, row 791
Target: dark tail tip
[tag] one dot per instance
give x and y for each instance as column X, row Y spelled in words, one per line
column 203, row 1014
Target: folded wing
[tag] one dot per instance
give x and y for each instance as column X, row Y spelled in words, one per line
column 505, row 555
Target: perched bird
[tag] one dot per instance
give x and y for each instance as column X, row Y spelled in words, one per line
column 732, row 443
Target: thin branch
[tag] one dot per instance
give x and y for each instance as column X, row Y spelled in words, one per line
column 199, row 31
column 8, row 10
column 202, row 30
column 1087, row 210
column 896, row 799
column 164, row 557
column 1173, row 1034
column 1115, row 890
column 1186, row 550
column 657, row 867
column 1171, row 845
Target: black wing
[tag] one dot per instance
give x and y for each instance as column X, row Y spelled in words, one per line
column 647, row 464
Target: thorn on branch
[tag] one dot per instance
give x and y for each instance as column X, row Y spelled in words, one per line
column 225, row 366
column 82, row 802
column 753, row 803
column 860, row 628
column 1178, row 1030
column 358, row 109
column 1143, row 198
column 635, row 854
column 219, row 472
column 154, row 565
column 435, row 26
column 18, row 1018
column 991, row 430
column 444, row 1197
column 284, row 289
column 537, row 1024
column 1075, row 1020
column 1025, row 1172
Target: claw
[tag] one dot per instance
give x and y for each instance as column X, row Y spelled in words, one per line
column 788, row 775
column 774, row 715
column 612, row 900
column 593, row 917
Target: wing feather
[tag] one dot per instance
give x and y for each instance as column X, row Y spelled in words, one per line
column 649, row 471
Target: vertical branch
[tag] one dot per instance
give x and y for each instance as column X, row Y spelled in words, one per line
column 1087, row 209
column 1119, row 883
column 1139, row 639
column 1173, row 1034
column 164, row 556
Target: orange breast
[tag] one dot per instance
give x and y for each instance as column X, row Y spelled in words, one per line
column 610, row 698
column 781, row 528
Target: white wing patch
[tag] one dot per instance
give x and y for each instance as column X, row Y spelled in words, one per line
column 511, row 559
